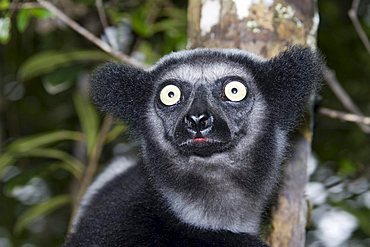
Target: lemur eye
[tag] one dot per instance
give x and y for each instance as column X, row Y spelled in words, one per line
column 235, row 91
column 170, row 95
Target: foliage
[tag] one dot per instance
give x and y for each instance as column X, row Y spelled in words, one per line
column 49, row 129
column 342, row 148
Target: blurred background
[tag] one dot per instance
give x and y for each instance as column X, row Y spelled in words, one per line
column 49, row 131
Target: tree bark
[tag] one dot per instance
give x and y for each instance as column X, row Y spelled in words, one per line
column 265, row 27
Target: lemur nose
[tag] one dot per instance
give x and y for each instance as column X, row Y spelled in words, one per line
column 199, row 123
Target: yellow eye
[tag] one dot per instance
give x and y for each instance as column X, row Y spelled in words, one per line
column 235, row 91
column 170, row 95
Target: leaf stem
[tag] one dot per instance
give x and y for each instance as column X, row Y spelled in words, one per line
column 87, row 34
column 343, row 96
column 93, row 160
column 344, row 116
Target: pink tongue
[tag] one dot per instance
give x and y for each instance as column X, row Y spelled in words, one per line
column 200, row 139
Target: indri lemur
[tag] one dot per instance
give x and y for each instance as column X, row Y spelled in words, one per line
column 214, row 127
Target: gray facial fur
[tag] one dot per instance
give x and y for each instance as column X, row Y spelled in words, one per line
column 221, row 203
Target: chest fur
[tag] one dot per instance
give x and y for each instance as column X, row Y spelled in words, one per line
column 216, row 204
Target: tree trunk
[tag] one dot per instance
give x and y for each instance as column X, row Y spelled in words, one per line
column 265, row 27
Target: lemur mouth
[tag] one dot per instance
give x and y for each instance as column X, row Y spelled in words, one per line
column 202, row 134
column 203, row 146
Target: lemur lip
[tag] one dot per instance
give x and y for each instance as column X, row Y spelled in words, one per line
column 200, row 139
column 201, row 142
column 203, row 147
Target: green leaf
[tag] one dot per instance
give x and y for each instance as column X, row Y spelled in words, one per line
column 48, row 61
column 75, row 170
column 40, row 13
column 89, row 120
column 6, row 160
column 347, row 167
column 28, row 143
column 115, row 132
column 40, row 210
column 70, row 163
column 60, row 80
column 140, row 24
column 4, row 4
column 4, row 30
column 23, row 19
column 31, row 146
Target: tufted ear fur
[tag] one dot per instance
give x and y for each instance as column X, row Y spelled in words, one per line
column 292, row 78
column 122, row 90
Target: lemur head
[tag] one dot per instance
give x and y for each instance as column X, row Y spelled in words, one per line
column 214, row 126
column 206, row 101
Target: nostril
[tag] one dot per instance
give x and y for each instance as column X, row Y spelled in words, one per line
column 198, row 122
column 204, row 122
column 190, row 123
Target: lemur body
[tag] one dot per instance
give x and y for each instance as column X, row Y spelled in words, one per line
column 214, row 126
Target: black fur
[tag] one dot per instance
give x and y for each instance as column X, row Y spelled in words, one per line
column 227, row 180
column 129, row 212
column 122, row 90
column 293, row 73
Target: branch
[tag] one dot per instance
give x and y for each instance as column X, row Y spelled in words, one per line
column 101, row 13
column 343, row 97
column 87, row 34
column 352, row 13
column 15, row 5
column 94, row 159
column 345, row 116
column 104, row 22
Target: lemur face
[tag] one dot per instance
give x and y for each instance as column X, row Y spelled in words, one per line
column 204, row 107
column 206, row 101
column 214, row 126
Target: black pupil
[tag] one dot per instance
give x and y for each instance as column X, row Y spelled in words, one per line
column 171, row 94
column 234, row 90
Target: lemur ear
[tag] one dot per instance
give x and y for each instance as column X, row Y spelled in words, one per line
column 121, row 90
column 294, row 76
